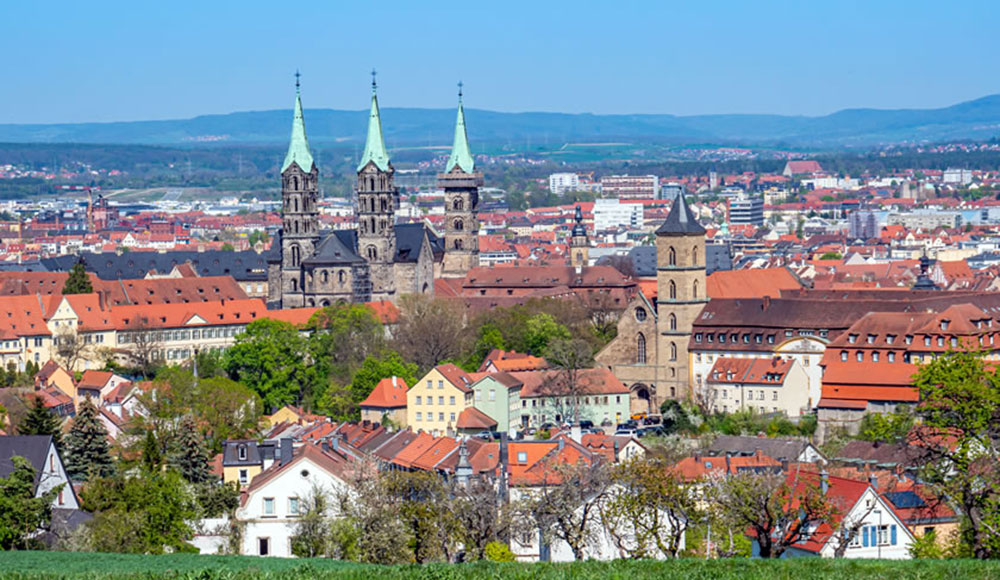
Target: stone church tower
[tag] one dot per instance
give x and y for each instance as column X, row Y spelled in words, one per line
column 378, row 200
column 579, row 243
column 680, row 289
column 461, row 185
column 299, row 214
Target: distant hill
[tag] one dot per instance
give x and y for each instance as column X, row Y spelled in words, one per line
column 978, row 119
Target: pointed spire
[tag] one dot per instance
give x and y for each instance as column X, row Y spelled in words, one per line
column 680, row 221
column 461, row 156
column 578, row 229
column 375, row 151
column 298, row 146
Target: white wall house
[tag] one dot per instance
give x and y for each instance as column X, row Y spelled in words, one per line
column 278, row 495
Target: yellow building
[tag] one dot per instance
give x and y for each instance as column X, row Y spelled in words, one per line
column 435, row 401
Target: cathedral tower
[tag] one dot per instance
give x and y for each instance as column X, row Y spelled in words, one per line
column 461, row 185
column 378, row 200
column 680, row 288
column 579, row 243
column 299, row 215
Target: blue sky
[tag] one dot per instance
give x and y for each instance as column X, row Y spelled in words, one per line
column 72, row 61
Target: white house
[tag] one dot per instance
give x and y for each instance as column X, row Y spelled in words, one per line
column 43, row 456
column 272, row 504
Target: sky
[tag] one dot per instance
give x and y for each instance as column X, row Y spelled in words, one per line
column 99, row 61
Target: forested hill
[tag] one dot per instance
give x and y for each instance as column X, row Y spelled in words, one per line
column 978, row 119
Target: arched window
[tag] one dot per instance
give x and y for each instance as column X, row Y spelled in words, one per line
column 295, row 202
column 672, row 321
column 295, row 184
column 640, row 349
column 694, row 256
column 694, row 290
column 340, row 277
column 672, row 290
column 458, row 225
column 326, row 276
column 372, row 253
column 296, row 256
column 385, row 206
column 458, row 244
column 295, row 285
column 457, row 205
column 671, row 256
column 673, row 351
column 843, row 356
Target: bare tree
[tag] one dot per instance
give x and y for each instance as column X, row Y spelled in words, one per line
column 567, row 504
column 621, row 263
column 648, row 509
column 144, row 345
column 71, row 348
column 483, row 517
column 778, row 512
column 570, row 358
column 431, row 330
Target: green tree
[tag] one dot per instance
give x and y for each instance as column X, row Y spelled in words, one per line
column 312, row 537
column 886, row 427
column 22, row 514
column 86, row 450
column 227, row 247
column 189, row 455
column 140, row 515
column 41, row 421
column 541, row 329
column 226, row 410
column 78, row 281
column 343, row 403
column 152, row 458
column 270, row 358
column 831, row 256
column 341, row 338
column 960, row 412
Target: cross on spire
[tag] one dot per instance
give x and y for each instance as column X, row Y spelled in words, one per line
column 460, row 90
column 297, row 75
column 374, row 85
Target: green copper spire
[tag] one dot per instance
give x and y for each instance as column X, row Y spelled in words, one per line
column 375, row 145
column 461, row 156
column 298, row 147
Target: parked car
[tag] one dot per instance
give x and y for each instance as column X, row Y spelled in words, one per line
column 653, row 420
column 586, row 424
column 625, row 432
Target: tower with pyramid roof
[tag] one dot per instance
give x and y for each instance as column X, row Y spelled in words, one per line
column 299, row 213
column 461, row 184
column 377, row 202
column 680, row 296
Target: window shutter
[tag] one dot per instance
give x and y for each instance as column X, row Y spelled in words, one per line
column 864, row 536
column 893, row 536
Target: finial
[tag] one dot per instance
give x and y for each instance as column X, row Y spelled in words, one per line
column 459, row 91
column 374, row 85
column 297, row 75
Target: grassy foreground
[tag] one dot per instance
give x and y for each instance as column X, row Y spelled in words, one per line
column 32, row 565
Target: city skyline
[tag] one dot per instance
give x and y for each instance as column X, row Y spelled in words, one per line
column 108, row 63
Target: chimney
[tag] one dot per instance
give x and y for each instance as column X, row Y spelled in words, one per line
column 562, row 443
column 285, row 450
column 824, row 481
column 873, row 480
column 394, row 381
column 729, row 458
column 576, row 433
column 766, row 303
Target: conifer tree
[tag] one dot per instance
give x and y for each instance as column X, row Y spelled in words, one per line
column 78, row 281
column 41, row 421
column 189, row 454
column 87, row 453
column 151, row 456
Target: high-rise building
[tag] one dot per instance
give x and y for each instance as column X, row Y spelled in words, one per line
column 630, row 186
column 670, row 191
column 613, row 213
column 746, row 210
column 560, row 183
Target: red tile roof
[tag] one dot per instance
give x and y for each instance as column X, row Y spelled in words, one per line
column 754, row 283
column 473, row 418
column 389, row 393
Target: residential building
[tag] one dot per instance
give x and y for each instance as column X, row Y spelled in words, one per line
column 242, row 460
column 630, row 186
column 549, row 397
column 498, row 395
column 560, row 183
column 50, row 473
column 746, row 210
column 927, row 220
column 386, row 401
column 434, row 403
column 775, row 385
column 610, row 213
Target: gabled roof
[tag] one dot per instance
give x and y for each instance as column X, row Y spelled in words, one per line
column 389, row 393
column 34, row 448
column 681, row 221
column 334, row 463
column 456, row 376
column 92, row 379
column 473, row 418
column 332, row 250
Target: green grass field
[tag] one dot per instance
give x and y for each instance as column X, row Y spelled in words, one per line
column 32, row 565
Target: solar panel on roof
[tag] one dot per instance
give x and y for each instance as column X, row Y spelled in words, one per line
column 905, row 499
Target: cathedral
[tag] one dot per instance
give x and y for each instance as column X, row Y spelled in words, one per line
column 650, row 352
column 380, row 259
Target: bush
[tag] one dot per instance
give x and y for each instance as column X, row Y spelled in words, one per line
column 498, row 552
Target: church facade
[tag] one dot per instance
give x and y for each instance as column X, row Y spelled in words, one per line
column 380, row 259
column 650, row 352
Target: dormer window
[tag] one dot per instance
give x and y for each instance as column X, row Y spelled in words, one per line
column 944, row 325
column 927, row 341
column 875, row 356
column 954, row 342
column 909, row 339
column 242, row 452
column 892, row 357
column 890, row 338
column 860, row 356
column 852, row 338
column 843, row 356
column 871, row 339
column 940, row 341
